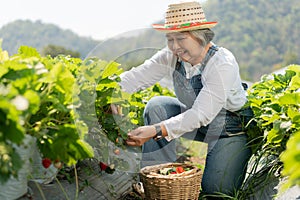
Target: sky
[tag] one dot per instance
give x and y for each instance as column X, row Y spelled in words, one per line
column 98, row 19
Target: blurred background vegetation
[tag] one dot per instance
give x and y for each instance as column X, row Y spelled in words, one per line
column 263, row 35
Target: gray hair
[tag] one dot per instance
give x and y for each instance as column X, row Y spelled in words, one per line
column 204, row 36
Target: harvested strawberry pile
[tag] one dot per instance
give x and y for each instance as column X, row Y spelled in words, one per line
column 173, row 170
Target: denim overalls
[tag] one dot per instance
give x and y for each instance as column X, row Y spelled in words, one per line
column 226, row 123
column 227, row 153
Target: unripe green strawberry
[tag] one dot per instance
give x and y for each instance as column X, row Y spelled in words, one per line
column 117, row 151
column 57, row 164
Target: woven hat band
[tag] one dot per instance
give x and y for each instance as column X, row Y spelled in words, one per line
column 188, row 12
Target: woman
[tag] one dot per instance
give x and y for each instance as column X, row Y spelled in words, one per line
column 209, row 94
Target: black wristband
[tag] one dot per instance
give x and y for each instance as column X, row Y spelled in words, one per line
column 158, row 134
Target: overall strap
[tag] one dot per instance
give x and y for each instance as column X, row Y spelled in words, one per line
column 211, row 51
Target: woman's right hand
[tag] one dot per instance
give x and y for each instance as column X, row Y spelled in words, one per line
column 140, row 135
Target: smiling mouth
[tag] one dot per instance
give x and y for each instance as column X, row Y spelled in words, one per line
column 180, row 53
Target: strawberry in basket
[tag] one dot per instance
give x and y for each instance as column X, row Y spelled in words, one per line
column 173, row 170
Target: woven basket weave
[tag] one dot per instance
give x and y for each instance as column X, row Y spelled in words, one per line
column 173, row 186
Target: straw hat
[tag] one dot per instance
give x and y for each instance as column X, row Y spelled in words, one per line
column 185, row 16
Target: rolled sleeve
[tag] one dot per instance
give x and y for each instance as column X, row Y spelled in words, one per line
column 148, row 73
column 221, row 83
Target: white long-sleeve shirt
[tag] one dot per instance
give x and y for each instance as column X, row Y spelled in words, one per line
column 221, row 88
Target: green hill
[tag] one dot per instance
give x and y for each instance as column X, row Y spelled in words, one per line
column 38, row 35
column 263, row 35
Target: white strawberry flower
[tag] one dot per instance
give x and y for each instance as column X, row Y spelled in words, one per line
column 20, row 102
column 40, row 68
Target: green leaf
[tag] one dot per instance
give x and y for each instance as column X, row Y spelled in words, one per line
column 295, row 68
column 65, row 84
column 269, row 119
column 291, row 161
column 3, row 70
column 106, row 83
column 274, row 136
column 10, row 126
column 289, row 99
column 3, row 54
column 295, row 83
column 111, row 69
column 17, row 66
column 34, row 101
column 293, row 113
column 28, row 51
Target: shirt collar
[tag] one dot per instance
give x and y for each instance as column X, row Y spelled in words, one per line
column 192, row 70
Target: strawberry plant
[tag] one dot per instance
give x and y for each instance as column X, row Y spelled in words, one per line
column 98, row 85
column 275, row 101
column 64, row 103
column 36, row 99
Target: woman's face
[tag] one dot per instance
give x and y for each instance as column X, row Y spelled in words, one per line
column 185, row 46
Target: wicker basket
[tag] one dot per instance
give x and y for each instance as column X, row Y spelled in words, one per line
column 173, row 186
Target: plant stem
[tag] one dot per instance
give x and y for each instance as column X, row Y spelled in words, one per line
column 62, row 189
column 38, row 187
column 76, row 182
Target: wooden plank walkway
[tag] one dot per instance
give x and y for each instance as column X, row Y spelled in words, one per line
column 91, row 185
column 96, row 185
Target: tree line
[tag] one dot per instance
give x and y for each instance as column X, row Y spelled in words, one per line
column 263, row 35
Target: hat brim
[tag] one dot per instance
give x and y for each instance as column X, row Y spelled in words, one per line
column 184, row 27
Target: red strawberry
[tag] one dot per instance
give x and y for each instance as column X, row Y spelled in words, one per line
column 179, row 170
column 46, row 162
column 103, row 166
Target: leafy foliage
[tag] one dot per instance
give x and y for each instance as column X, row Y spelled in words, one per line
column 275, row 101
column 59, row 101
column 36, row 99
column 290, row 158
column 98, row 82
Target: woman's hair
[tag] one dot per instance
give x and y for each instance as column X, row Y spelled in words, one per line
column 204, row 36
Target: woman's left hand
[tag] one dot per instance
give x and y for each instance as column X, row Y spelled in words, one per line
column 139, row 136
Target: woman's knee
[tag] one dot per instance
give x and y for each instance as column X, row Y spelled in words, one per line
column 154, row 102
column 160, row 108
